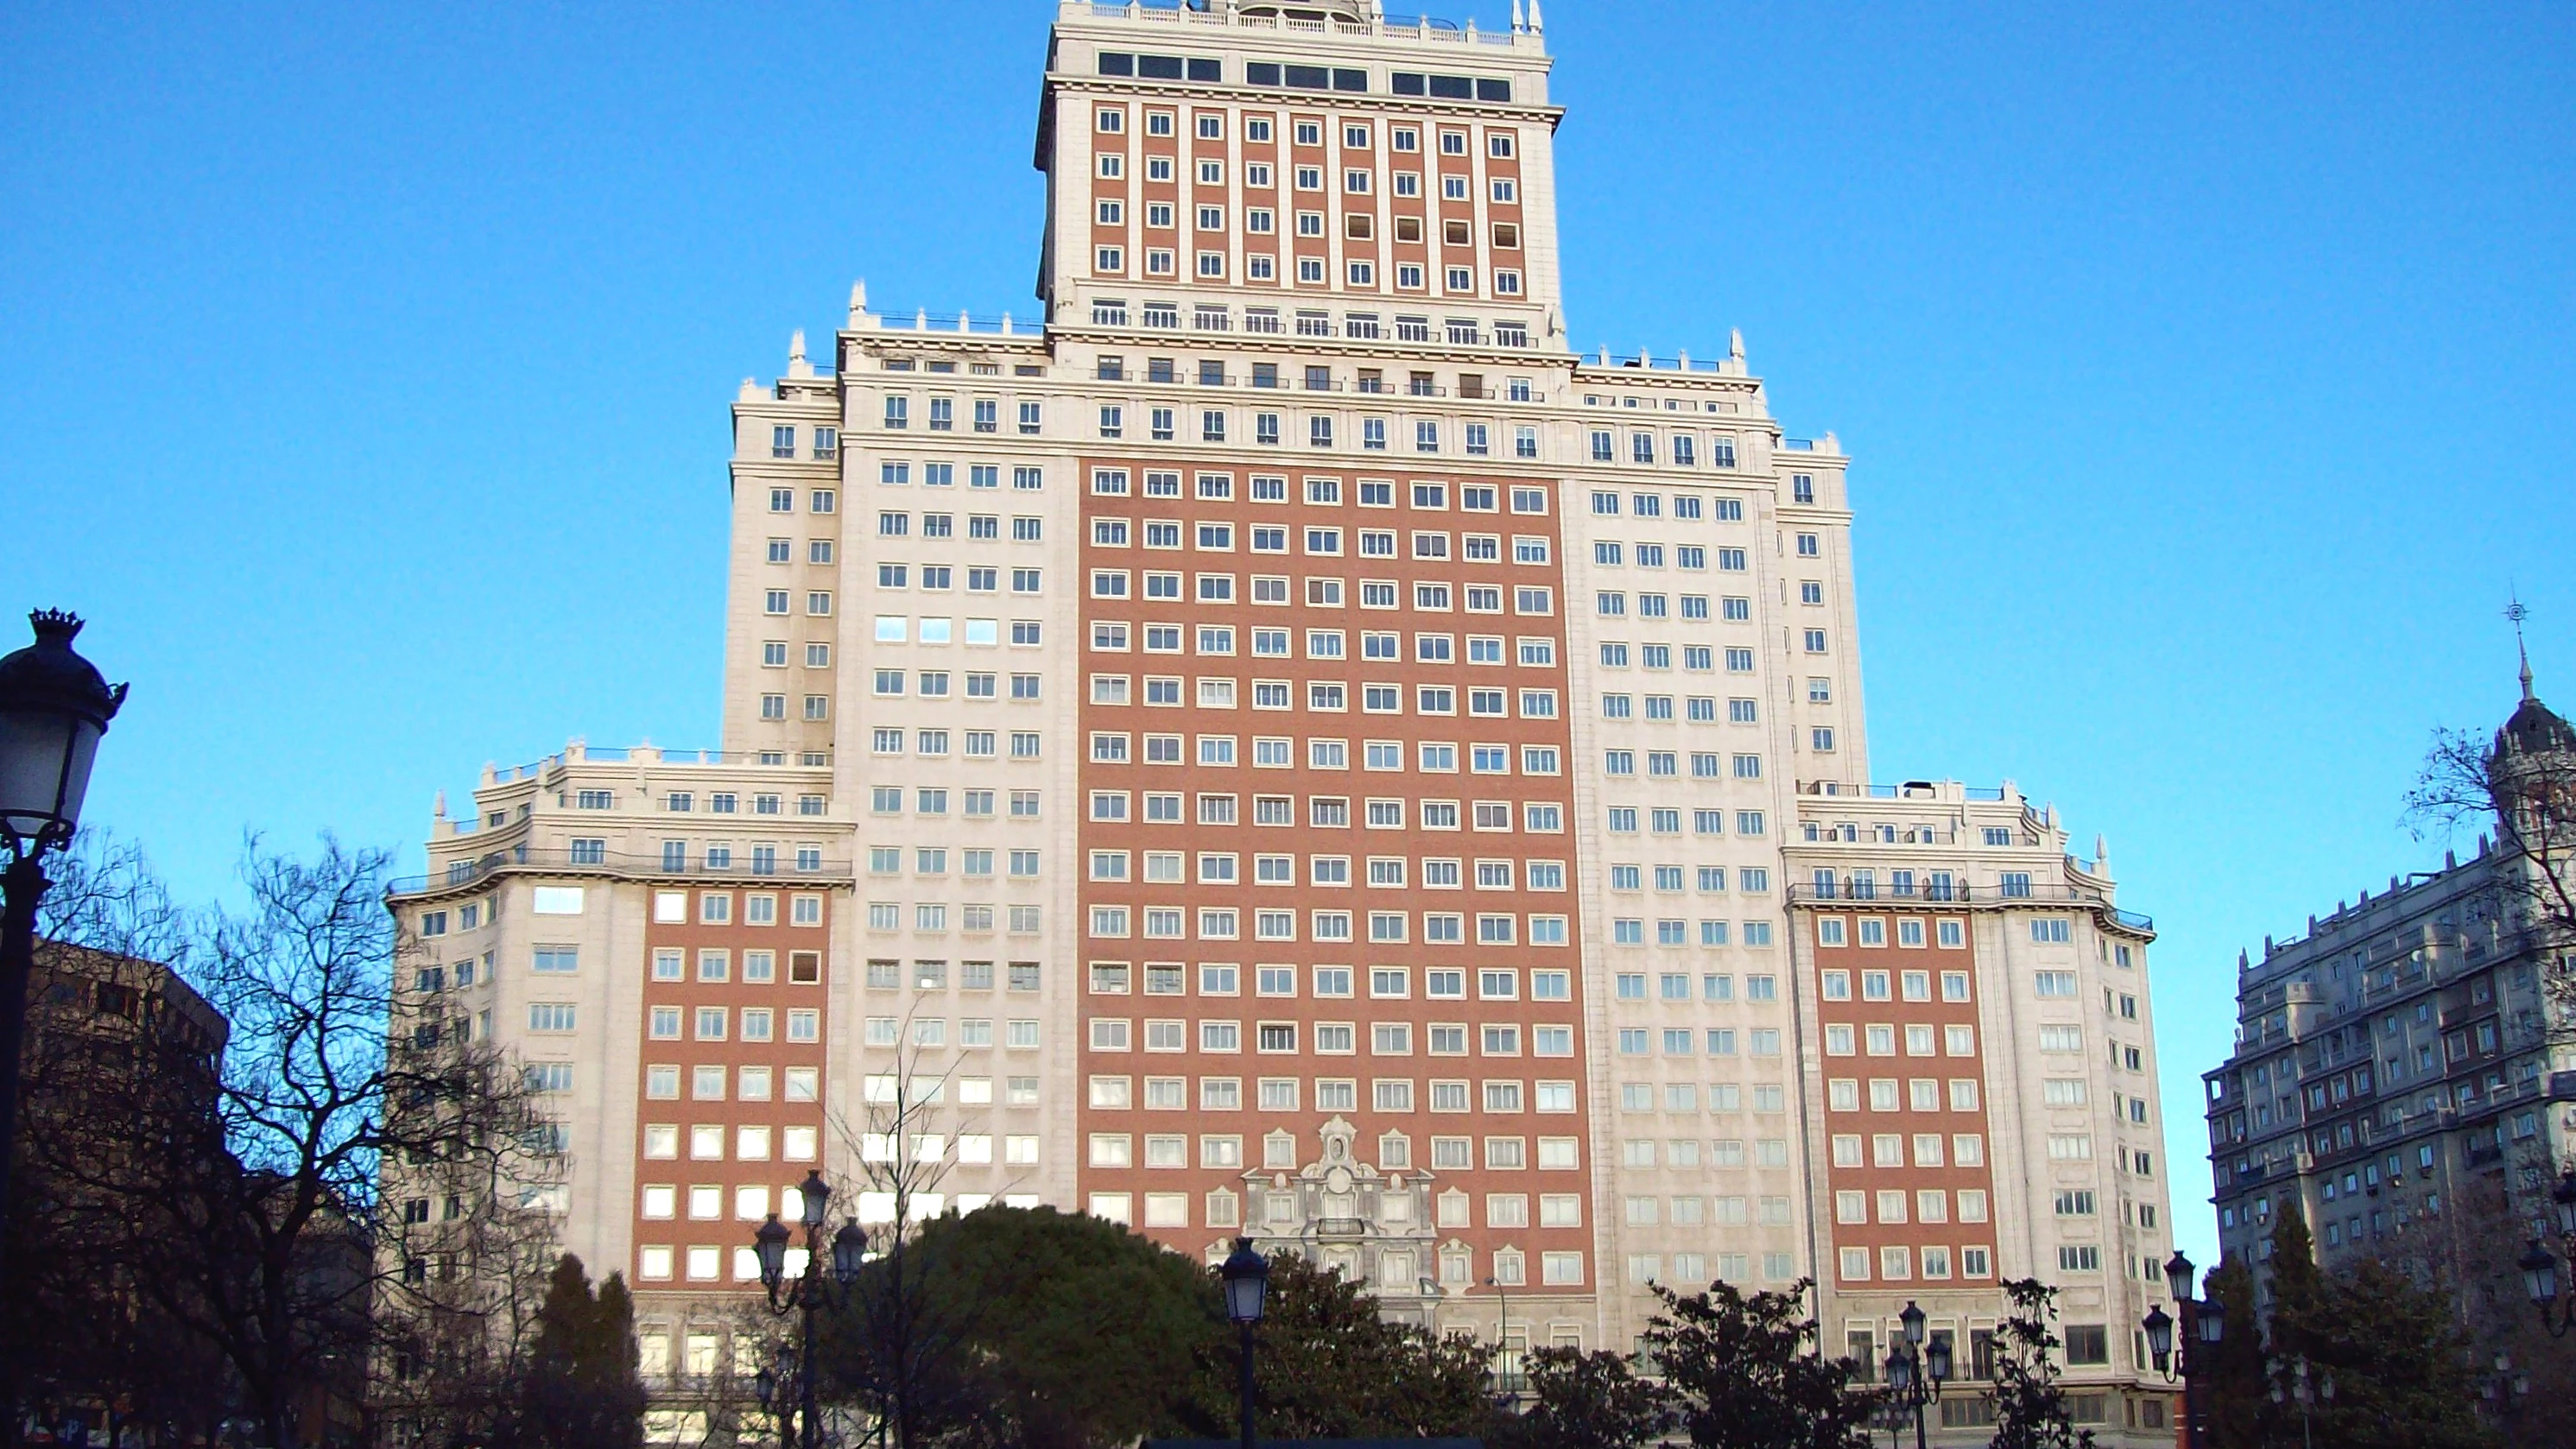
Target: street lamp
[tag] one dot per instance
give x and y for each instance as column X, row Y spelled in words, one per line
column 2305, row 1395
column 54, row 706
column 1247, row 1283
column 2540, row 1266
column 2504, row 1389
column 1917, row 1370
column 2174, row 1355
column 812, row 1289
column 1507, row 1372
column 773, row 1384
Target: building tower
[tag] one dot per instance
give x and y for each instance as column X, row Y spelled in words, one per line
column 1280, row 742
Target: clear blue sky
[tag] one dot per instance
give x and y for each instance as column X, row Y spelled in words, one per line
column 364, row 373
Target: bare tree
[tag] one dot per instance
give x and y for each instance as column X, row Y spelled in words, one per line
column 260, row 1226
column 896, row 1342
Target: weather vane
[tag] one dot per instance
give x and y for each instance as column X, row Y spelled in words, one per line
column 2517, row 612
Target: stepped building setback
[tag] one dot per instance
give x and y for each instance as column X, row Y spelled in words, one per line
column 1282, row 744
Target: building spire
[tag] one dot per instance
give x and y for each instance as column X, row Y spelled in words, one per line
column 2517, row 612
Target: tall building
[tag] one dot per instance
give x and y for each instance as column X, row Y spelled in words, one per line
column 1280, row 744
column 2401, row 1076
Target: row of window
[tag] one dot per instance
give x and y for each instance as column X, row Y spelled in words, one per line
column 1887, row 1149
column 1501, row 143
column 941, row 416
column 1379, row 871
column 1713, row 986
column 934, row 800
column 974, row 1033
column 932, row 860
column 826, row 442
column 1327, row 812
column 975, row 919
column 1215, row 425
column 1696, row 658
column 983, row 477
column 1332, row 1094
column 750, row 1142
column 1872, row 932
column 1679, row 1041
column 942, row 684
column 759, row 968
column 1683, row 1098
column 818, row 501
column 1685, row 506
column 1316, row 540
column 1693, row 1269
column 1225, row 923
column 1919, row 1094
column 1687, row 1154
column 1666, row 764
column 1385, row 982
column 1325, row 697
column 980, row 527
column 1955, row 1039
column 773, row 655
column 1437, row 757
column 1422, row 496
column 1116, row 636
column 1455, row 280
column 1356, row 225
column 1667, row 820
column 885, row 974
column 758, row 1023
column 1163, row 167
column 1917, row 985
column 1426, row 596
column 747, row 1084
column 1215, row 316
column 1896, row 1264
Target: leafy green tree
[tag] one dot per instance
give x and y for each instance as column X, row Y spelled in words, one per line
column 1746, row 1372
column 1327, row 1366
column 2400, row 1371
column 2031, row 1410
column 1051, row 1330
column 2231, row 1376
column 582, row 1390
column 1591, row 1400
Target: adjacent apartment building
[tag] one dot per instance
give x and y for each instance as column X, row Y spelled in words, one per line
column 1280, row 744
column 2401, row 1075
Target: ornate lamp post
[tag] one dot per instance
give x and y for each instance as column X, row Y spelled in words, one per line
column 812, row 1289
column 2305, row 1393
column 2204, row 1320
column 772, row 1384
column 1507, row 1368
column 1916, row 1370
column 2540, row 1266
column 2505, row 1389
column 1247, row 1284
column 54, row 706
